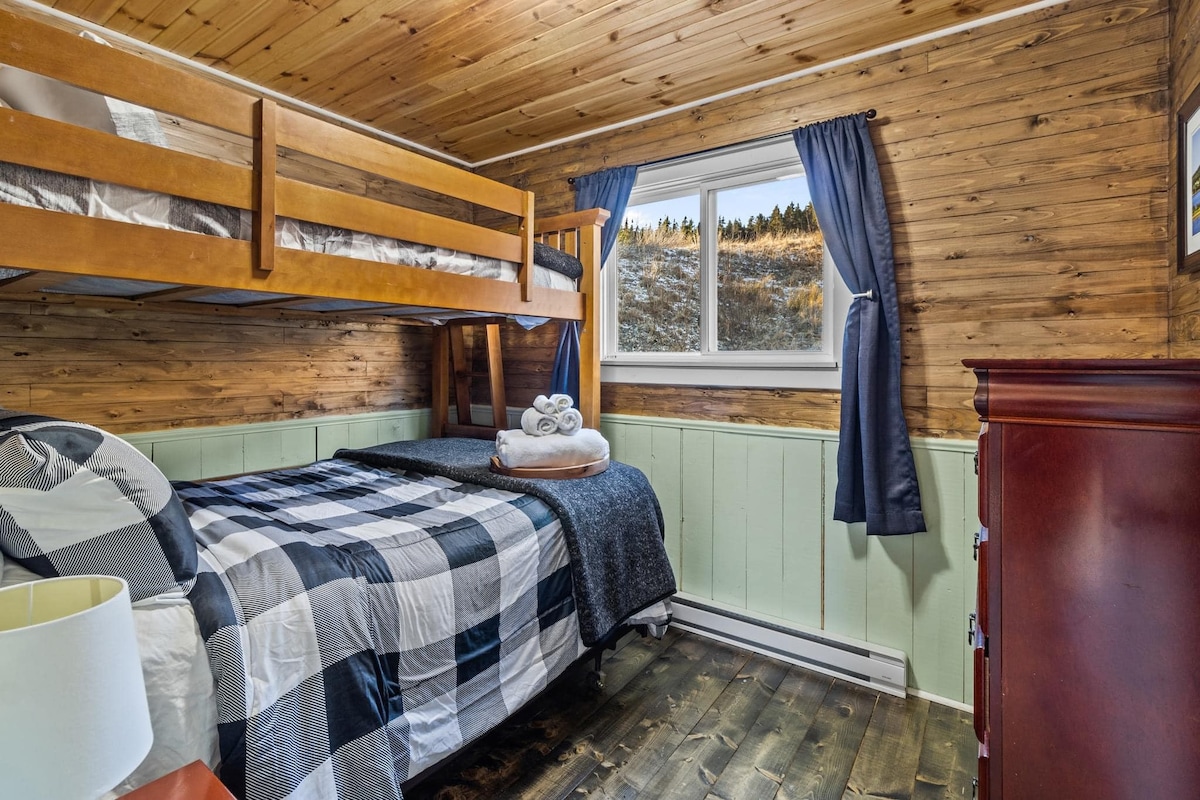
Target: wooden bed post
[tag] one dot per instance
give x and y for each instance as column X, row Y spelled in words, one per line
column 525, row 272
column 589, row 334
column 264, row 185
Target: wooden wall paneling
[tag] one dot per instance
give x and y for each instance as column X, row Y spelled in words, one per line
column 696, row 499
column 1025, row 166
column 937, row 655
column 730, row 534
column 129, row 368
column 845, row 555
column 764, row 506
column 803, row 532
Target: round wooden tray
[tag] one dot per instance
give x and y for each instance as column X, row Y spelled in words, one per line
column 550, row 473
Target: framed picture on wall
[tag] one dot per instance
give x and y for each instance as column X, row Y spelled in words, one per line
column 1189, row 183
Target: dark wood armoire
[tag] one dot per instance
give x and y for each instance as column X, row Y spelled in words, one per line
column 1087, row 659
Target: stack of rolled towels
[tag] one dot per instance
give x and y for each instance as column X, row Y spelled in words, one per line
column 551, row 435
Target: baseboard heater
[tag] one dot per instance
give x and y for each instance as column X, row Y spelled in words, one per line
column 881, row 668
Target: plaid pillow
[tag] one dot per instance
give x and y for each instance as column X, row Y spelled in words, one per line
column 75, row 500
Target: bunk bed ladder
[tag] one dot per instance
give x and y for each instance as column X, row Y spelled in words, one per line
column 450, row 360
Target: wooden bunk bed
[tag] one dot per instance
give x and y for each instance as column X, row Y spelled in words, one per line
column 49, row 251
column 585, row 569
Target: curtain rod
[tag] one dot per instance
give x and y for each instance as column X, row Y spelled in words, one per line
column 870, row 114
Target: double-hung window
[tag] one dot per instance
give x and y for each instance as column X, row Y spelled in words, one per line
column 720, row 276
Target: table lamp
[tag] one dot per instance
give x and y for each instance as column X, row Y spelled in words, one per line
column 74, row 720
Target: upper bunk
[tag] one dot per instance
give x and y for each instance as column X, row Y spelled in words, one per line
column 263, row 208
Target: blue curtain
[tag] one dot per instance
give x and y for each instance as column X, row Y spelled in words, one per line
column 877, row 480
column 608, row 189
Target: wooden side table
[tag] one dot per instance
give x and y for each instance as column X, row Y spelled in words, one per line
column 193, row 782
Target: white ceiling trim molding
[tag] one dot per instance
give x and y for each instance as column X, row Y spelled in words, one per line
column 791, row 76
column 130, row 41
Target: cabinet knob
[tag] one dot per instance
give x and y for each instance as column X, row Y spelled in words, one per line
column 975, row 547
column 974, row 788
column 971, row 618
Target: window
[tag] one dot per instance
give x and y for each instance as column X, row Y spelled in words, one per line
column 720, row 276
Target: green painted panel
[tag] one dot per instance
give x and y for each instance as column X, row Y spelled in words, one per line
column 970, row 572
column 889, row 591
column 262, row 451
column 362, row 434
column 330, row 438
column 614, row 432
column 764, row 525
column 297, row 446
column 845, row 563
column 179, row 460
column 145, row 448
column 939, row 627
column 221, row 456
column 803, row 532
column 696, row 496
column 398, row 429
column 637, row 448
column 729, row 519
column 665, row 468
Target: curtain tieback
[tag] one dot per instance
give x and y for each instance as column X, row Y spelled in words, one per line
column 868, row 294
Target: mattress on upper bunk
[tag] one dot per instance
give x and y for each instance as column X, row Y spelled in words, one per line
column 52, row 191
column 38, row 188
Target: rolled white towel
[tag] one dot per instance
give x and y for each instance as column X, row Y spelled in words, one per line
column 570, row 421
column 535, row 423
column 545, row 404
column 561, row 402
column 518, row 449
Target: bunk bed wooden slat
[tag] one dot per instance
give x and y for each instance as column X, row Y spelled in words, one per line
column 318, row 138
column 103, row 157
column 56, row 53
column 301, row 200
column 50, row 241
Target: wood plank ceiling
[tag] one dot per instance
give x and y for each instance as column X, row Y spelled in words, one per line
column 478, row 80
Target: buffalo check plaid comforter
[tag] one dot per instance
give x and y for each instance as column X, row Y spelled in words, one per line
column 362, row 623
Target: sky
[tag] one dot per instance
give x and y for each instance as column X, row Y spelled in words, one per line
column 740, row 203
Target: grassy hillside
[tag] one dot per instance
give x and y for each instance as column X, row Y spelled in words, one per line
column 769, row 292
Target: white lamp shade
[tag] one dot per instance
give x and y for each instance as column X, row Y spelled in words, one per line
column 74, row 719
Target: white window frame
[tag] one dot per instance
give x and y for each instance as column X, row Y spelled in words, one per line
column 704, row 175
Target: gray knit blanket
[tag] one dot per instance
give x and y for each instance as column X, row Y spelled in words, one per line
column 612, row 523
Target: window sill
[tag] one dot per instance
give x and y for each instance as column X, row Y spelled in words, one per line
column 793, row 377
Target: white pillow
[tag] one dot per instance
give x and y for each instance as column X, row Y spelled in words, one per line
column 46, row 97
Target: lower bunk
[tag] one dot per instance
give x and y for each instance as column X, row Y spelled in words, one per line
column 352, row 623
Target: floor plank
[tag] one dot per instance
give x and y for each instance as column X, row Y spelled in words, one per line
column 821, row 767
column 693, row 765
column 689, row 718
column 756, row 770
column 948, row 756
column 886, row 766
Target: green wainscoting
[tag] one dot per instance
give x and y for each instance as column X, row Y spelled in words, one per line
column 749, row 514
column 198, row 453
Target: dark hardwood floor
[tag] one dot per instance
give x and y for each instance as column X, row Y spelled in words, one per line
column 691, row 718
